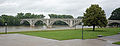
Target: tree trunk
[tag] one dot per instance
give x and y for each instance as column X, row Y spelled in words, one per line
column 93, row 27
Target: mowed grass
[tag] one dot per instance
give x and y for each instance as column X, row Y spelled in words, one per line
column 73, row 34
column 118, row 43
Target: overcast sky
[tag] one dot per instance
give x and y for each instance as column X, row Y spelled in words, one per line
column 70, row 7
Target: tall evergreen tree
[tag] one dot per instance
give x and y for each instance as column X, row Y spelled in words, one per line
column 95, row 16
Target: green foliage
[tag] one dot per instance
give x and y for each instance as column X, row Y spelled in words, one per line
column 29, row 16
column 39, row 23
column 15, row 20
column 118, row 43
column 95, row 16
column 20, row 15
column 1, row 21
column 26, row 23
column 115, row 15
column 60, row 17
column 11, row 20
column 59, row 23
column 80, row 17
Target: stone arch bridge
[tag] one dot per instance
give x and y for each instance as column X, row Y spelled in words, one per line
column 70, row 22
column 49, row 22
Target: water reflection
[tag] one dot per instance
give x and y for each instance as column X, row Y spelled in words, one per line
column 28, row 28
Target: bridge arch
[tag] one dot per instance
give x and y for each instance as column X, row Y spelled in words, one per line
column 23, row 21
column 77, row 23
column 32, row 22
column 43, row 22
column 59, row 20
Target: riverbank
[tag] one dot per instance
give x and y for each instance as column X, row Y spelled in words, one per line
column 36, row 28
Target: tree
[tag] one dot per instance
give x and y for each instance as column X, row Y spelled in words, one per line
column 1, row 21
column 60, row 17
column 28, row 15
column 11, row 20
column 52, row 15
column 115, row 15
column 95, row 16
column 20, row 15
column 80, row 17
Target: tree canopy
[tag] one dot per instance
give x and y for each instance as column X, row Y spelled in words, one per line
column 60, row 16
column 115, row 15
column 15, row 20
column 29, row 15
column 80, row 17
column 95, row 16
column 11, row 20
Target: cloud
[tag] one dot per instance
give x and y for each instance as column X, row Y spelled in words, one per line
column 72, row 7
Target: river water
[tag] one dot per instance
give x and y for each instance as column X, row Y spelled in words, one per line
column 28, row 28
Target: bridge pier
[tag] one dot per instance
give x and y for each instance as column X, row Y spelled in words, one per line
column 49, row 26
column 32, row 25
column 71, row 23
column 70, row 26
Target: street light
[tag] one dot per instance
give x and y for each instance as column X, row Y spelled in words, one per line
column 82, row 29
column 6, row 27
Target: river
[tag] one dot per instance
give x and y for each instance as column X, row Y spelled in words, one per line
column 28, row 28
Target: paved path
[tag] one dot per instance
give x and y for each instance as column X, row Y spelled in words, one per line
column 25, row 40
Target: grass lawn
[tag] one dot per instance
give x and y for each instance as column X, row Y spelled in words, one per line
column 72, row 34
column 118, row 43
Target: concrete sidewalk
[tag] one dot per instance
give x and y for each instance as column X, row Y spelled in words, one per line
column 25, row 40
